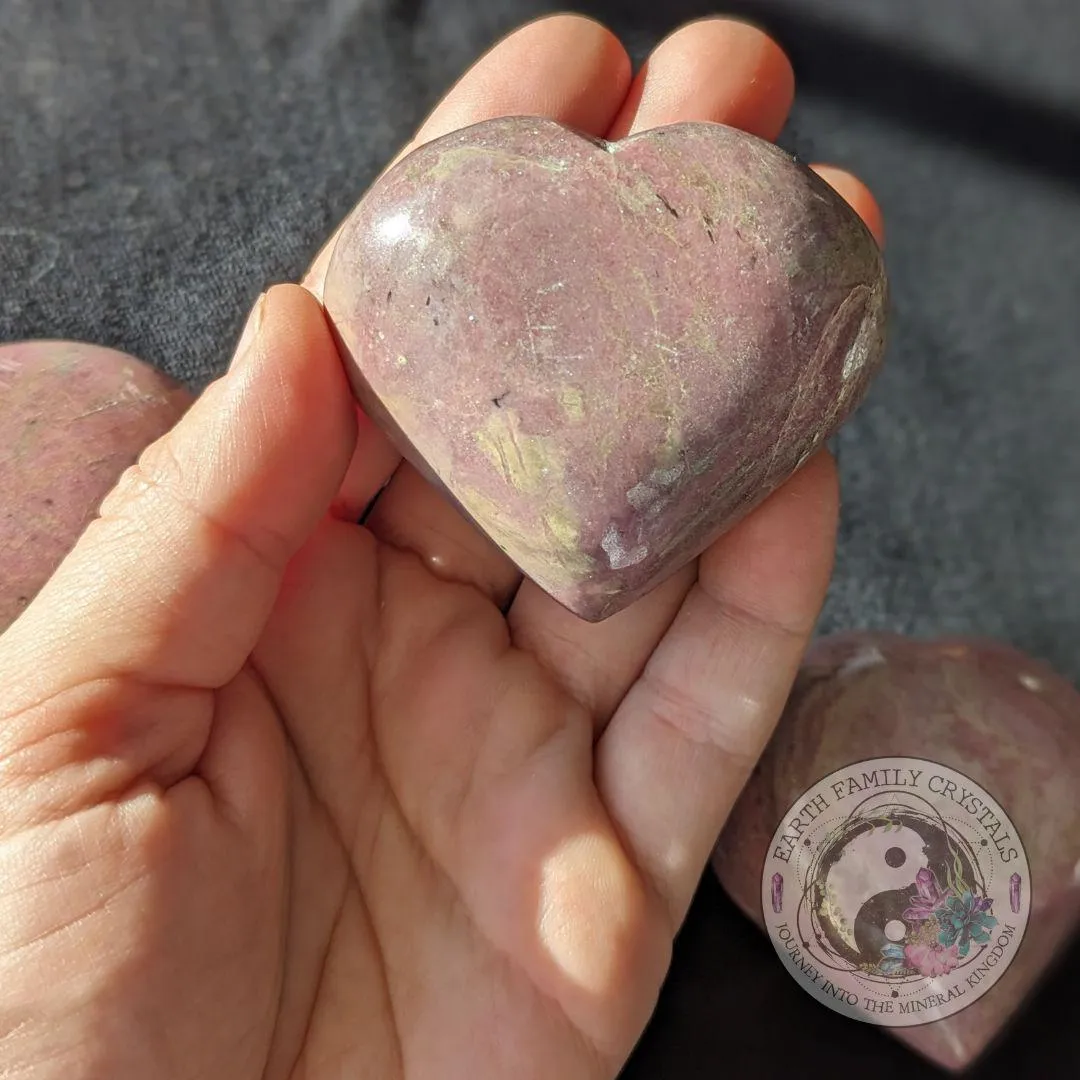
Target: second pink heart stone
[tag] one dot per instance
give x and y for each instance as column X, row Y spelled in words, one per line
column 606, row 353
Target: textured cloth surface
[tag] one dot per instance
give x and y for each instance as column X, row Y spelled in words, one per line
column 161, row 161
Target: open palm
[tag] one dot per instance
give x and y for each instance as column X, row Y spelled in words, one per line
column 286, row 796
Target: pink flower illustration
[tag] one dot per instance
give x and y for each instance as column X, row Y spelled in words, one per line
column 929, row 896
column 932, row 960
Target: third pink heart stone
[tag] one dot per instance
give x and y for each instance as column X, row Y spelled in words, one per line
column 910, row 840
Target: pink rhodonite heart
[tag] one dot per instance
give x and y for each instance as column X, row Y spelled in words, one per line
column 73, row 417
column 606, row 353
column 910, row 839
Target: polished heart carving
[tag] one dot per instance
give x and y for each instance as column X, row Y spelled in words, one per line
column 606, row 353
column 943, row 774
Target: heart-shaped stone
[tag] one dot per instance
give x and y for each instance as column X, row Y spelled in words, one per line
column 72, row 418
column 915, row 817
column 606, row 353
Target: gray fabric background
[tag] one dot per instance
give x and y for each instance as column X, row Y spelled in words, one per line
column 161, row 161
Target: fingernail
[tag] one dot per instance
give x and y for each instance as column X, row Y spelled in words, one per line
column 251, row 330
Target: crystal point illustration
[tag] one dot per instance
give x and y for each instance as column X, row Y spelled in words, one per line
column 1014, row 893
column 777, row 893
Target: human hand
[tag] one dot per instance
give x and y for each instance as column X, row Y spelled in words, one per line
column 284, row 796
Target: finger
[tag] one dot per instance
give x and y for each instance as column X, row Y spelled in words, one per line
column 714, row 69
column 574, row 71
column 596, row 662
column 174, row 581
column 373, row 463
column 412, row 516
column 858, row 196
column 685, row 738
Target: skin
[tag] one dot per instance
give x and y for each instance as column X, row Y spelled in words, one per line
column 282, row 796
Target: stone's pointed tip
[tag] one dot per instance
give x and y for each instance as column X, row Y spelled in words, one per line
column 590, row 608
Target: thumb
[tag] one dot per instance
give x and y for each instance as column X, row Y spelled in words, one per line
column 174, row 581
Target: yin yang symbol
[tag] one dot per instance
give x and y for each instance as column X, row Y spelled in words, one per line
column 871, row 883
